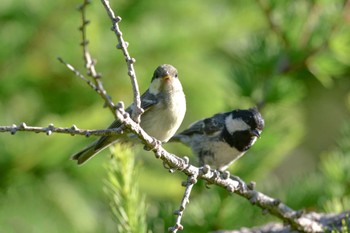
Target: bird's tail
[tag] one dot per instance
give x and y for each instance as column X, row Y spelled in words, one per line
column 85, row 154
column 92, row 149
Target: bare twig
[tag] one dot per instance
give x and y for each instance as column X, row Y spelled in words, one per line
column 90, row 62
column 99, row 89
column 334, row 222
column 191, row 180
column 73, row 130
column 77, row 73
column 85, row 42
column 129, row 60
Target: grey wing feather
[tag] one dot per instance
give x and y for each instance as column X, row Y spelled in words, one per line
column 207, row 126
column 195, row 128
column 147, row 101
column 215, row 124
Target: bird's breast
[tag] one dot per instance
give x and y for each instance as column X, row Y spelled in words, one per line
column 163, row 119
column 217, row 154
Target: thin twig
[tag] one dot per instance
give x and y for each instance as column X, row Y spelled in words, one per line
column 77, row 73
column 99, row 89
column 90, row 62
column 191, row 180
column 129, row 60
column 82, row 28
column 73, row 130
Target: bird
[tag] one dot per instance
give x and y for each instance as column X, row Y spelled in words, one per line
column 220, row 140
column 164, row 106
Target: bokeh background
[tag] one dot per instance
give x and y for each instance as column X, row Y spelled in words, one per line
column 289, row 58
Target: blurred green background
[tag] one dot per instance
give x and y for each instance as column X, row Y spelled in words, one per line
column 290, row 58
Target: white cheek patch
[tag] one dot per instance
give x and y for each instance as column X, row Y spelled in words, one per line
column 236, row 124
column 155, row 86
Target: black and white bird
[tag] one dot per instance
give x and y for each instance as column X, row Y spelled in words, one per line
column 164, row 106
column 220, row 140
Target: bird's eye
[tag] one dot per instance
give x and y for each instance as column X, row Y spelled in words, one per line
column 175, row 75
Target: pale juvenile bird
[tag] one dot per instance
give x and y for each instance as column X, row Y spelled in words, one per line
column 220, row 140
column 164, row 106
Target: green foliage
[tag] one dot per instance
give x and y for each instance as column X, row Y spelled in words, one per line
column 290, row 58
column 335, row 166
column 127, row 203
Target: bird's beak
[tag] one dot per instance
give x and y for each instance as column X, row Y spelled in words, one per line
column 167, row 77
column 255, row 132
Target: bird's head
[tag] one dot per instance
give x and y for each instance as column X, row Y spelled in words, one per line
column 165, row 78
column 244, row 127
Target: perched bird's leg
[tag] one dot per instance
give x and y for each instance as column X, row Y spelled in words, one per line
column 186, row 161
column 215, row 173
column 239, row 180
column 225, row 174
column 205, row 169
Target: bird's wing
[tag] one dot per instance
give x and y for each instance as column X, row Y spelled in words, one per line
column 208, row 126
column 147, row 101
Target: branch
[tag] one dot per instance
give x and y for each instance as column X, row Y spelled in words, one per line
column 89, row 62
column 137, row 111
column 333, row 222
column 296, row 219
column 77, row 73
column 74, row 130
column 191, row 181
